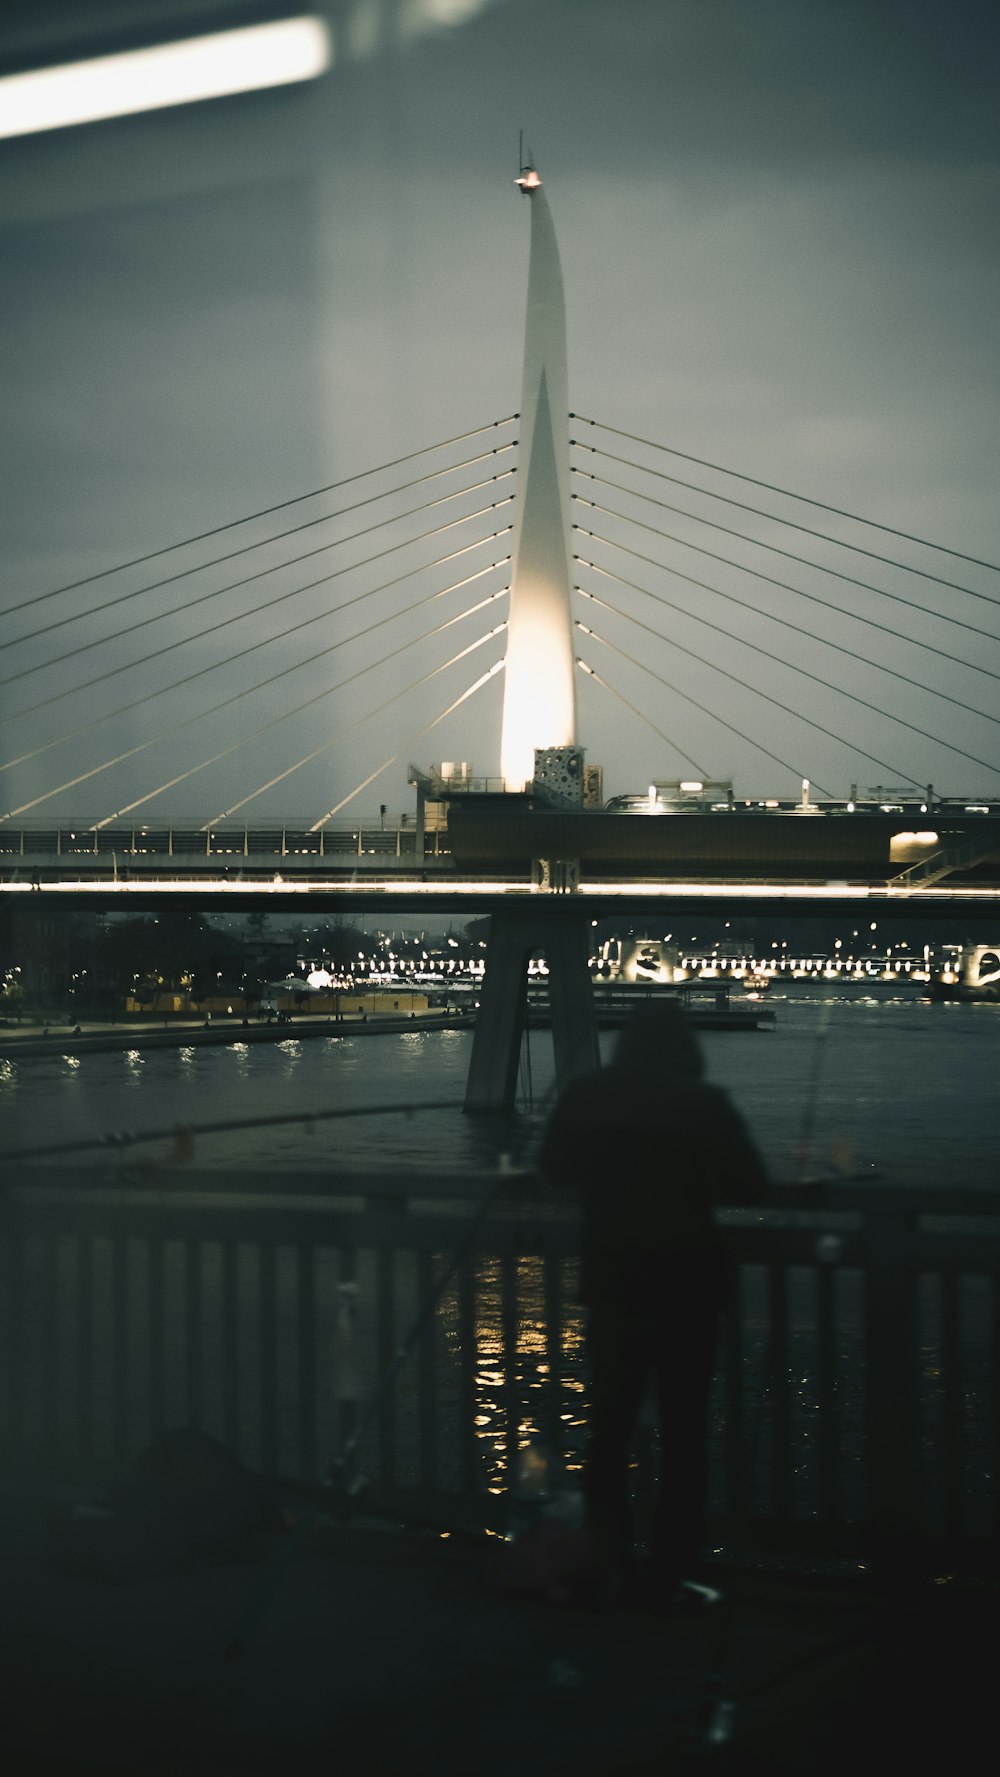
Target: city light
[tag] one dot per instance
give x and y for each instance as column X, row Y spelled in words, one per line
column 276, row 54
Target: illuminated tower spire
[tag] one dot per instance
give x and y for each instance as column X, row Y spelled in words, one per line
column 539, row 706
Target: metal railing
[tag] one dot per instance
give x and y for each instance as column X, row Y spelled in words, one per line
column 855, row 1394
column 130, row 847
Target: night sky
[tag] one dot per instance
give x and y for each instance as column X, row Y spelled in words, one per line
column 778, row 226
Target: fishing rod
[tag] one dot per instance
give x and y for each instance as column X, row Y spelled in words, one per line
column 182, row 1134
column 342, row 1486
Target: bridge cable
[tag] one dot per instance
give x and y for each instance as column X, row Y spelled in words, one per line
column 783, row 623
column 327, row 744
column 263, row 542
column 803, row 672
column 253, row 611
column 754, row 692
column 202, row 671
column 775, row 549
column 806, row 500
column 744, row 568
column 336, row 574
column 594, row 674
column 812, row 598
column 235, row 745
column 484, row 678
column 675, row 745
column 265, row 512
column 335, row 543
column 742, row 506
column 189, row 721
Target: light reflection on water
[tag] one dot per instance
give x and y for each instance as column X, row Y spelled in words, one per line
column 895, row 1083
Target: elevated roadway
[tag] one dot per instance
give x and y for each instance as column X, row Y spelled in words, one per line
column 505, row 850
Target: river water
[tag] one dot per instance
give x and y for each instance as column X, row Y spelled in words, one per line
column 863, row 1080
column 878, row 1083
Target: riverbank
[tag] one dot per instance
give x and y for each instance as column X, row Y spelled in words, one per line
column 27, row 1041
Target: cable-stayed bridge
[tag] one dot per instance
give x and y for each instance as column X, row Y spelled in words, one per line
column 109, row 686
column 704, row 612
column 618, row 588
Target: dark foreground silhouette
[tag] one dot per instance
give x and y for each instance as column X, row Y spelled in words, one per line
column 649, row 1148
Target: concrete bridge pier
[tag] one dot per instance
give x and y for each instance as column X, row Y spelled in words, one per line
column 563, row 934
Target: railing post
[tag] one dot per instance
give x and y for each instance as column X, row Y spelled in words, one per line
column 347, row 1380
column 894, row 1506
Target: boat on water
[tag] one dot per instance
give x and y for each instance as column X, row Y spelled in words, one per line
column 755, row 986
column 708, row 1004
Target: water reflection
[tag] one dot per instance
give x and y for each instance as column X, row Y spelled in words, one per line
column 893, row 1076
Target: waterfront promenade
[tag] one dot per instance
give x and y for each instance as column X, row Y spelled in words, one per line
column 379, row 1646
column 382, row 1649
column 91, row 1036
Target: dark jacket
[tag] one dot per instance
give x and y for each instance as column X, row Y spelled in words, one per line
column 648, row 1156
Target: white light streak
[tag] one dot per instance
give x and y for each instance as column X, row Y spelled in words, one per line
column 406, row 887
column 211, row 67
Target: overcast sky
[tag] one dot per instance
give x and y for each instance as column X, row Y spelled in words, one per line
column 779, row 232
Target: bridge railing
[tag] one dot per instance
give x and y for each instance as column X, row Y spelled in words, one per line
column 855, row 1393
column 131, row 847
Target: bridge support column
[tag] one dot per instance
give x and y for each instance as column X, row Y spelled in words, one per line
column 564, row 936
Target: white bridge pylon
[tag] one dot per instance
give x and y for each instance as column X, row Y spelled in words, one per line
column 539, row 706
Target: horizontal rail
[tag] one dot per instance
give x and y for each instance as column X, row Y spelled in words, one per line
column 855, row 1382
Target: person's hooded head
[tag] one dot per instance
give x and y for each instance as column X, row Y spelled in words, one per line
column 659, row 1039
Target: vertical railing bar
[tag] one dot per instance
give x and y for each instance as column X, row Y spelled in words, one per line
column 427, row 1398
column 8, row 1342
column 952, row 1432
column 348, row 1403
column 48, row 1298
column 85, row 1346
column 994, row 1399
column 305, row 1332
column 734, row 1346
column 467, row 1369
column 386, row 1323
column 157, row 1257
column 119, row 1351
column 268, row 1336
column 893, row 1473
column 781, row 1452
column 826, row 1399
column 18, row 1355
column 552, row 1279
column 230, row 1347
column 508, row 1324
column 192, row 1331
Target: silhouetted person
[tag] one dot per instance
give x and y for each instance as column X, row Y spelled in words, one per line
column 649, row 1148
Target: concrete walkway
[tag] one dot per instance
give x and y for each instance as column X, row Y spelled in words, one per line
column 375, row 1651
column 26, row 1041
